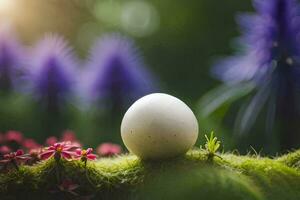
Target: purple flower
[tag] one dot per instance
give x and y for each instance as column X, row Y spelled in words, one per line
column 269, row 59
column 270, row 42
column 52, row 71
column 11, row 60
column 116, row 74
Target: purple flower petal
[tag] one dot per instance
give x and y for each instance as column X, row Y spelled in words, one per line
column 270, row 35
column 270, row 58
column 52, row 71
column 116, row 73
column 12, row 58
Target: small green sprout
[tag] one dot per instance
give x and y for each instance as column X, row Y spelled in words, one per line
column 212, row 145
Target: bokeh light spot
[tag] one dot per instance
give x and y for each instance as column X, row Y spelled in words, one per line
column 108, row 12
column 139, row 18
column 6, row 5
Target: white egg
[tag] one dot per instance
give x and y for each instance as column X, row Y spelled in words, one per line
column 159, row 126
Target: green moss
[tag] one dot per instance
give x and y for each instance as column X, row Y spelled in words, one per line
column 127, row 177
column 291, row 159
column 201, row 183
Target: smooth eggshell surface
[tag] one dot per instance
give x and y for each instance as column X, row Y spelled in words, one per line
column 159, row 126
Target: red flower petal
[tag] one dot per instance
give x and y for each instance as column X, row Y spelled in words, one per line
column 89, row 150
column 5, row 149
column 4, row 161
column 67, row 155
column 51, row 141
column 19, row 152
column 14, row 136
column 69, row 136
column 30, row 144
column 47, row 154
column 78, row 152
column 23, row 158
column 91, row 156
column 67, row 148
column 51, row 148
column 108, row 149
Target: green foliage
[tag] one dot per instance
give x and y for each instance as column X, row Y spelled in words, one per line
column 212, row 145
column 221, row 96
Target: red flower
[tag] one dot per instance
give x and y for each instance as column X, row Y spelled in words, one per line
column 34, row 156
column 77, row 144
column 51, row 141
column 62, row 149
column 30, row 144
column 35, row 152
column 5, row 149
column 68, row 186
column 15, row 158
column 14, row 136
column 69, row 136
column 109, row 149
column 85, row 155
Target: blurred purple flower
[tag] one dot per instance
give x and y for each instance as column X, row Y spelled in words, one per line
column 52, row 71
column 270, row 40
column 11, row 59
column 270, row 59
column 116, row 73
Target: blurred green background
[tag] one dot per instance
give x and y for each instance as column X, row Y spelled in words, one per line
column 179, row 41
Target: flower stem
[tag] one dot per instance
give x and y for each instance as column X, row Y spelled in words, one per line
column 57, row 173
column 57, row 168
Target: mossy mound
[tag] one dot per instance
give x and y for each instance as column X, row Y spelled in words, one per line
column 192, row 177
column 201, row 183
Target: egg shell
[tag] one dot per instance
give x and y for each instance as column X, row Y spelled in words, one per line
column 159, row 126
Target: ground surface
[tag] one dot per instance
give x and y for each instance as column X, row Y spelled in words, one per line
column 190, row 177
